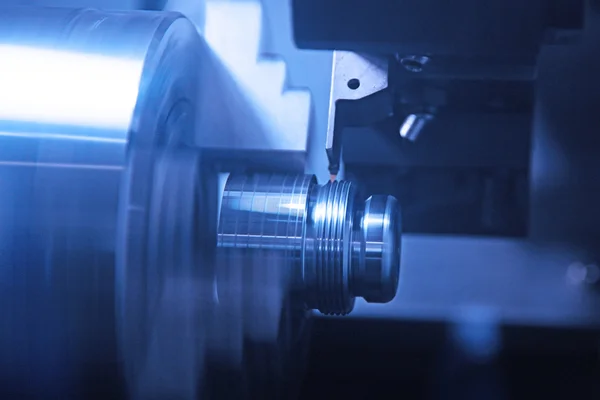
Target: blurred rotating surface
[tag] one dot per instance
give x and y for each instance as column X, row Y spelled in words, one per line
column 95, row 118
column 112, row 271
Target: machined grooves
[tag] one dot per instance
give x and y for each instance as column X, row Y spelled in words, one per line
column 333, row 228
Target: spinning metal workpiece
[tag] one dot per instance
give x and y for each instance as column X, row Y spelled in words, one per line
column 117, row 263
column 101, row 251
column 287, row 245
column 339, row 248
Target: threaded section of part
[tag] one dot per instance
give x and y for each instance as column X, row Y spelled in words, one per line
column 332, row 215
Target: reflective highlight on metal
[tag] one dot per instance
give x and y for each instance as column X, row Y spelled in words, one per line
column 335, row 247
column 97, row 188
column 378, row 273
column 62, row 86
column 327, row 266
column 359, row 96
column 257, row 336
column 413, row 125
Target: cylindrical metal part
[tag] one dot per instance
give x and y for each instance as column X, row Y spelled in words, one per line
column 95, row 108
column 265, row 212
column 335, row 247
column 258, row 333
column 376, row 276
column 327, row 265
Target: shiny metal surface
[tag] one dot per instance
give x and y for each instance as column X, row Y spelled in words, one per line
column 260, row 331
column 359, row 96
column 327, row 269
column 265, row 212
column 414, row 124
column 94, row 110
column 256, row 339
column 333, row 247
column 377, row 275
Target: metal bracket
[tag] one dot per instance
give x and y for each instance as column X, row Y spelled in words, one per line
column 360, row 96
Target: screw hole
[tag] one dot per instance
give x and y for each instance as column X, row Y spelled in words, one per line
column 353, row 83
